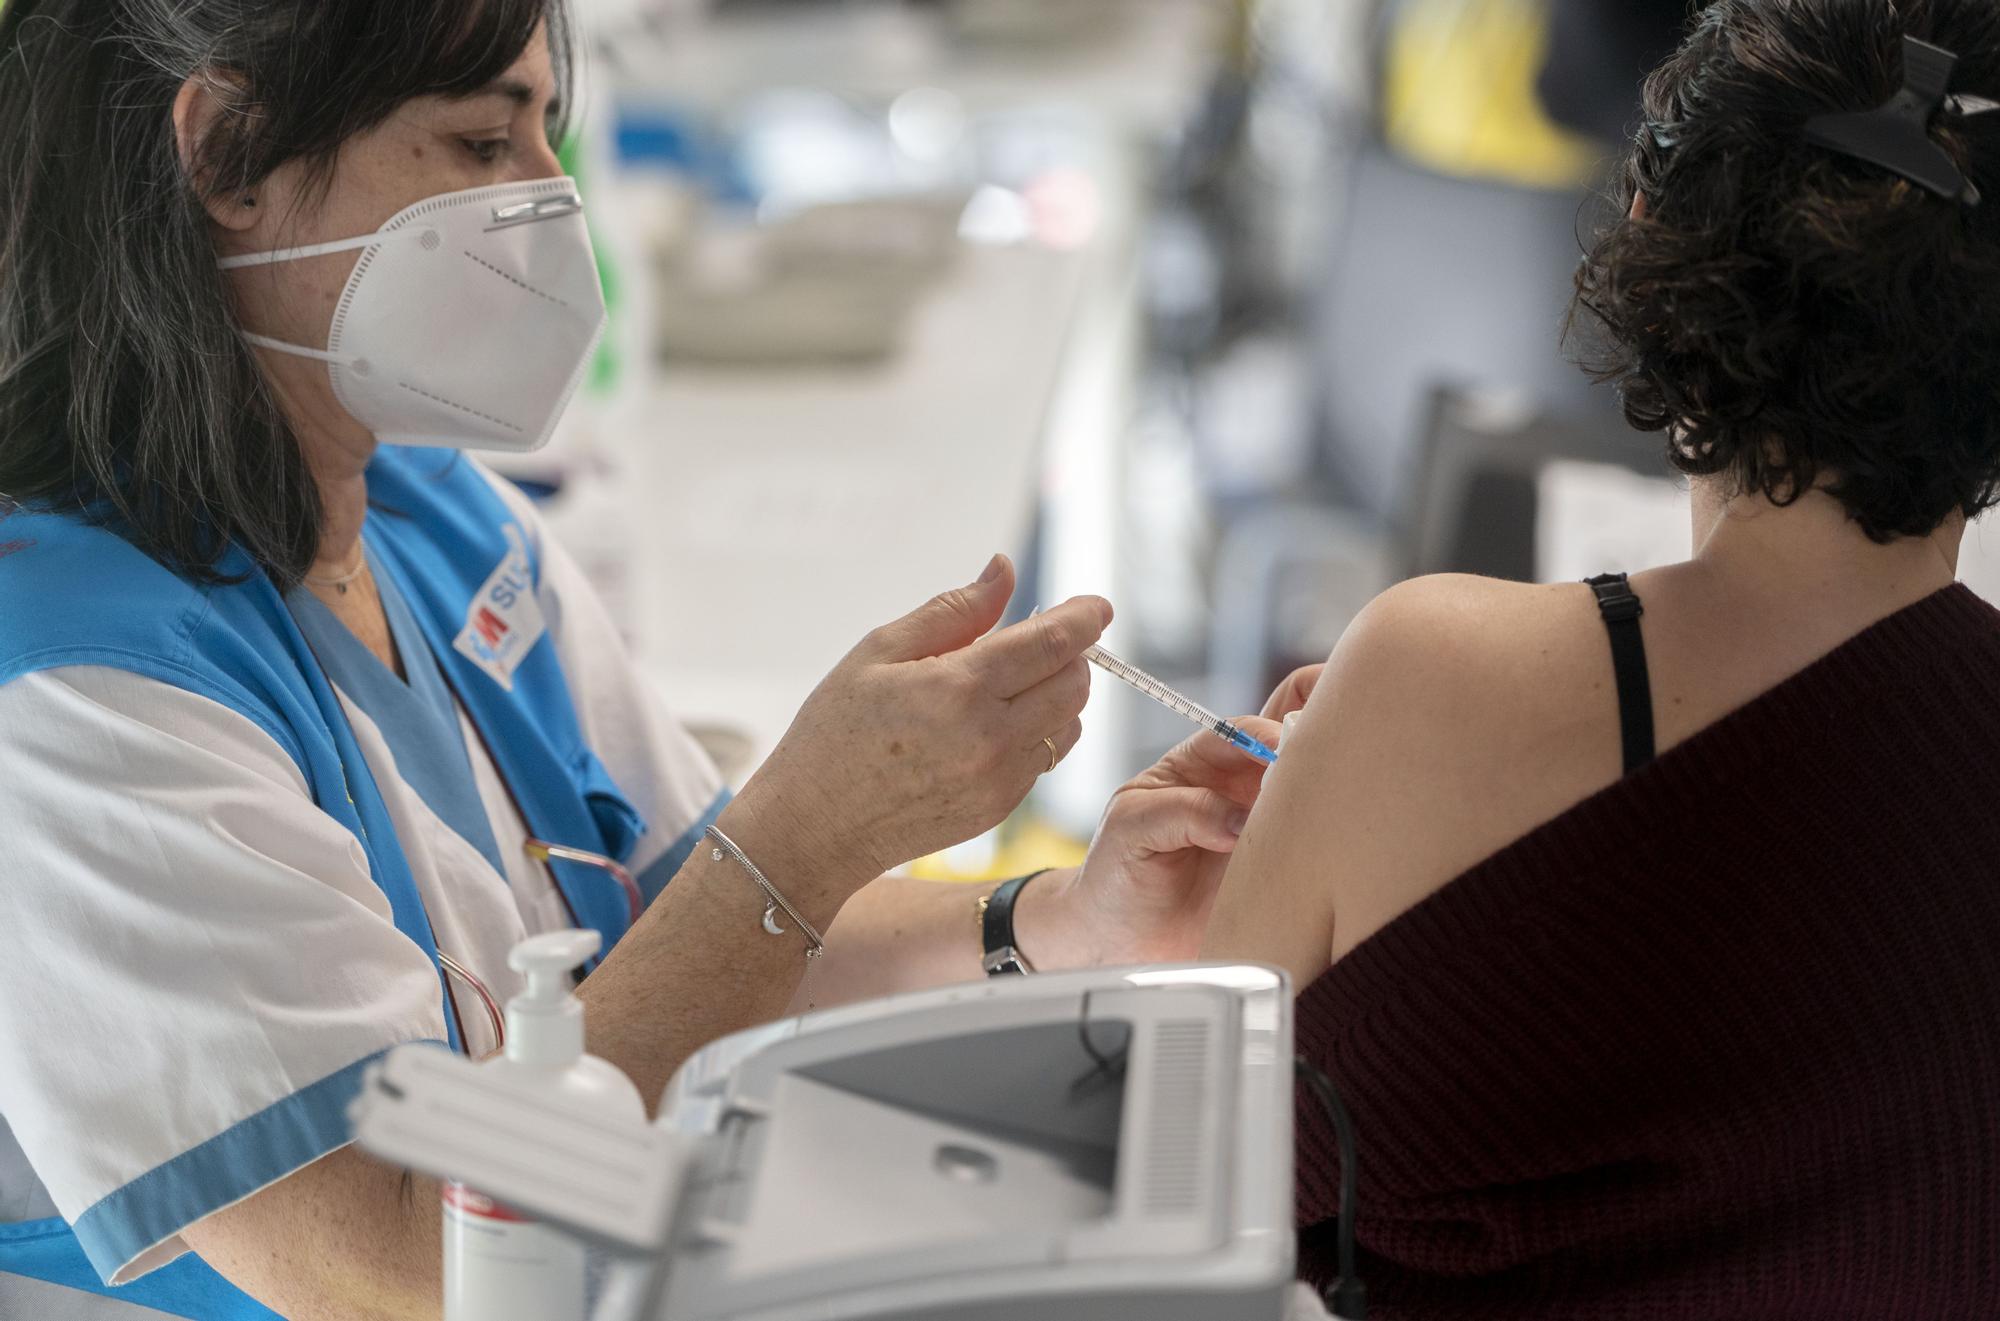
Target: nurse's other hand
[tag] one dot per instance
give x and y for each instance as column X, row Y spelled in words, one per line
column 930, row 731
column 1144, row 893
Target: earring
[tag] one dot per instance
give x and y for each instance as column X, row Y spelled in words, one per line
column 249, row 201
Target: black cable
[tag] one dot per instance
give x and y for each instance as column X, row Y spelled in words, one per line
column 1347, row 1298
column 1103, row 1066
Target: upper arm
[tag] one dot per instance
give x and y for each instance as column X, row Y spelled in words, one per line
column 199, row 966
column 1400, row 775
column 347, row 1238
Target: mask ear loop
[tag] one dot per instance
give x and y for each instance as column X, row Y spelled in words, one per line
column 299, row 350
column 277, row 255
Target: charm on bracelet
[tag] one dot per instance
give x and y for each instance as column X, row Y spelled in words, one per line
column 774, row 902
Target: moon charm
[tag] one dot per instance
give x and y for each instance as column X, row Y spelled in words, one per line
column 771, row 920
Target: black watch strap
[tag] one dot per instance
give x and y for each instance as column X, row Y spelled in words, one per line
column 996, row 927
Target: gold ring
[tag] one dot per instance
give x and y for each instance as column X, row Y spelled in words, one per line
column 1050, row 744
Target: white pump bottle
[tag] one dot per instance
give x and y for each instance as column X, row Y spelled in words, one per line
column 499, row 1266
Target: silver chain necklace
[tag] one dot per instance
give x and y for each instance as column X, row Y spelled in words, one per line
column 340, row 583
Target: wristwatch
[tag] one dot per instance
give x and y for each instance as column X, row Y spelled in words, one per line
column 996, row 929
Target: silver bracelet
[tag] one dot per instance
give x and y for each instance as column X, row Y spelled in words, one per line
column 774, row 900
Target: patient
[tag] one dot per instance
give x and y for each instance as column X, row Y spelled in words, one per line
column 1679, row 996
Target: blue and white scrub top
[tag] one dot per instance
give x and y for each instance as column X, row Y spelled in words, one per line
column 198, row 961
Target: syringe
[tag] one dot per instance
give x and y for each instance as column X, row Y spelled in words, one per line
column 1179, row 703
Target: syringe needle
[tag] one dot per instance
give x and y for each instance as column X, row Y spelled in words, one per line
column 1179, row 704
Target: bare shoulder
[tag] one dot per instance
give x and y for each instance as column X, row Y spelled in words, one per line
column 1460, row 623
column 1475, row 665
column 1455, row 715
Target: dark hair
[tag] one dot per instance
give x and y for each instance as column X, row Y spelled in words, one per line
column 125, row 390
column 1793, row 317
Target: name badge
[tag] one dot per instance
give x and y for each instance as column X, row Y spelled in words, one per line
column 505, row 620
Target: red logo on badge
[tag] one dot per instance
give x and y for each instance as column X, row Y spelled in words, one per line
column 491, row 627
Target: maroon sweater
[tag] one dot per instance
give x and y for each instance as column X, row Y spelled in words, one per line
column 1722, row 1041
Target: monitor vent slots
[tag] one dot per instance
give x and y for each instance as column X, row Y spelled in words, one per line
column 1174, row 1155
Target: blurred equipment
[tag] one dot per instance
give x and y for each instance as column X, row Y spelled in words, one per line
column 1600, row 51
column 1459, row 94
column 834, row 283
column 1594, row 517
column 1288, row 581
column 1096, row 1146
column 1029, row 23
column 1472, row 507
column 1464, row 214
column 1438, row 280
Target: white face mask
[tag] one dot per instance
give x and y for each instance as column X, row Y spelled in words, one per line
column 469, row 320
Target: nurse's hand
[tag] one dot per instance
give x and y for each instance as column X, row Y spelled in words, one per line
column 929, row 733
column 1144, row 893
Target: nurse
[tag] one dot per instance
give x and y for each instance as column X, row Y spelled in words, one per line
column 295, row 698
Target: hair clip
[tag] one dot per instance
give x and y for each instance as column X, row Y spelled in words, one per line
column 1896, row 136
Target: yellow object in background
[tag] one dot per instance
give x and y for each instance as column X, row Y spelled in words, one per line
column 1459, row 95
column 1024, row 843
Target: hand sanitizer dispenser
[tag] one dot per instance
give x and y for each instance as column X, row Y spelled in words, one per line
column 499, row 1265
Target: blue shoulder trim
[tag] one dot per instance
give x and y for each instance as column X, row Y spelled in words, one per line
column 76, row 593
column 228, row 1167
column 56, row 562
column 47, row 1251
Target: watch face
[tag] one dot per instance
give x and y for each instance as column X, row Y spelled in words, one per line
column 1001, row 962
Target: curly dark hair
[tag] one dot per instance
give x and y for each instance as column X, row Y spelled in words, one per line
column 1792, row 317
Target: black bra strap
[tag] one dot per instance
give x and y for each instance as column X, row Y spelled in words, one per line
column 1621, row 610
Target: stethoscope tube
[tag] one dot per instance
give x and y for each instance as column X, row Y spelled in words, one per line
column 542, row 851
column 493, row 1012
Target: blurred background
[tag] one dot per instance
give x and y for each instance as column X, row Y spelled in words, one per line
column 1232, row 311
